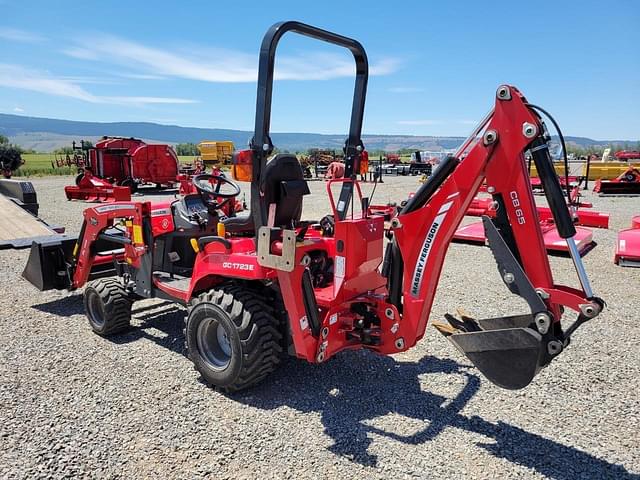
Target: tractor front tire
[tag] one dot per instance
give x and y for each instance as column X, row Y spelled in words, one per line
column 108, row 306
column 233, row 336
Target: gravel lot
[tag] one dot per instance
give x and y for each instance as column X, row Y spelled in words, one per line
column 73, row 404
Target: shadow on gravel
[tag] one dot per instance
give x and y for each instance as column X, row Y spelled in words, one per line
column 165, row 317
column 353, row 391
column 64, row 307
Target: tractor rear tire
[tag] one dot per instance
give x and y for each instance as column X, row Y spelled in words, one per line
column 108, row 306
column 234, row 336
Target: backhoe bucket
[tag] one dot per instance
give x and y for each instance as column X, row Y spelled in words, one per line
column 48, row 264
column 504, row 349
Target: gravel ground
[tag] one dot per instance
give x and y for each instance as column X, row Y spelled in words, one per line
column 77, row 405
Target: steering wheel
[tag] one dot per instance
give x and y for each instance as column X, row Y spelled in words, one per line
column 210, row 189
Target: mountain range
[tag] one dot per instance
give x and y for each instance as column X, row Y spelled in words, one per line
column 47, row 134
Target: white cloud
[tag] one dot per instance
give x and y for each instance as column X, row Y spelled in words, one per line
column 467, row 122
column 16, row 76
column 406, row 89
column 146, row 100
column 419, row 122
column 16, row 35
column 139, row 76
column 18, row 110
column 220, row 65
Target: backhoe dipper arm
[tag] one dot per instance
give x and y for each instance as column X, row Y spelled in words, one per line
column 424, row 229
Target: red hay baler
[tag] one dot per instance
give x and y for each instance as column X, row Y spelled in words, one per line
column 124, row 162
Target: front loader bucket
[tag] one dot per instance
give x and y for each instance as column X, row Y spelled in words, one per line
column 48, row 264
column 504, row 349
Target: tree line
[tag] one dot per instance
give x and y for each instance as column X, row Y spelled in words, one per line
column 10, row 156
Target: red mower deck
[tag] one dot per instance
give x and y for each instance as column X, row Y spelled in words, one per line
column 474, row 234
column 94, row 189
column 628, row 245
column 626, row 185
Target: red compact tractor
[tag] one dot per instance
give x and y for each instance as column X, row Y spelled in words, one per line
column 122, row 162
column 268, row 283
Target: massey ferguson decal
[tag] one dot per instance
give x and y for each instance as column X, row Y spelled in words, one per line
column 111, row 208
column 161, row 211
column 421, row 263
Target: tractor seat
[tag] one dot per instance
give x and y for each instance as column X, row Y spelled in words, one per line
column 283, row 186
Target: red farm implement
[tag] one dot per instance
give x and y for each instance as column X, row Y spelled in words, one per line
column 626, row 185
column 628, row 245
column 90, row 188
column 581, row 212
column 121, row 162
column 627, row 155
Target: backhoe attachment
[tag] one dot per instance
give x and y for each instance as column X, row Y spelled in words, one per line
column 508, row 350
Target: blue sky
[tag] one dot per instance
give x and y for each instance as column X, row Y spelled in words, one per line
column 434, row 65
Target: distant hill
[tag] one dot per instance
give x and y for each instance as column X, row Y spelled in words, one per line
column 47, row 134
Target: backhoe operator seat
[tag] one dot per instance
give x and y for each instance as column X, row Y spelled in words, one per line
column 283, row 186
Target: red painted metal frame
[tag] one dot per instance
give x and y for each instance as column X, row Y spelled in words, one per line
column 586, row 218
column 122, row 158
column 504, row 167
column 431, row 229
column 96, row 221
column 95, row 189
column 628, row 182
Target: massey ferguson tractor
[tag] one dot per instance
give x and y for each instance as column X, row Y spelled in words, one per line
column 267, row 283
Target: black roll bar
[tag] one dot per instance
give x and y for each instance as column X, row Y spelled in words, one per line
column 261, row 144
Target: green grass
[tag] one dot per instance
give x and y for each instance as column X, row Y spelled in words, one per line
column 39, row 164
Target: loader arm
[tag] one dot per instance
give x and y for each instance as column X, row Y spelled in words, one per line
column 86, row 254
column 425, row 227
column 70, row 263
